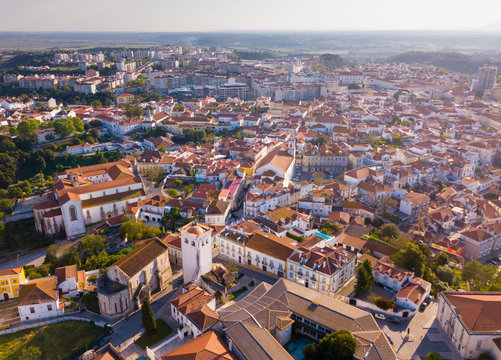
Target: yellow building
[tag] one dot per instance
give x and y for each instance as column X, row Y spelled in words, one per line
column 9, row 282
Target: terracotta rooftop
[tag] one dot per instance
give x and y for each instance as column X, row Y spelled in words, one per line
column 479, row 311
column 135, row 261
column 208, row 346
column 39, row 291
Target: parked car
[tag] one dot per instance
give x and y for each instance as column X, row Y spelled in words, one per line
column 423, row 306
column 379, row 316
column 239, row 275
column 394, row 320
column 103, row 342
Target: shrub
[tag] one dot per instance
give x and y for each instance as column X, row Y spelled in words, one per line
column 393, row 218
column 251, row 283
column 383, row 303
column 486, row 356
column 294, row 237
column 91, row 302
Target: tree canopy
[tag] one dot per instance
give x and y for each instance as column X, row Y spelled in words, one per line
column 390, row 230
column 137, row 230
column 339, row 345
column 365, row 278
column 92, row 244
column 27, row 128
column 410, row 258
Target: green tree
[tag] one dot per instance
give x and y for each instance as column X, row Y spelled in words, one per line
column 8, row 167
column 410, row 258
column 367, row 265
column 339, row 345
column 91, row 302
column 442, row 259
column 192, row 135
column 330, row 228
column 172, row 193
column 310, row 352
column 51, row 255
column 134, row 230
column 97, row 261
column 30, row 353
column 27, row 128
column 64, row 127
column 321, row 140
column 433, row 356
column 318, row 178
column 178, row 183
column 446, row 274
column 231, row 270
column 72, row 258
column 478, row 276
column 92, row 244
column 390, row 230
column 96, row 104
column 152, row 231
column 149, row 324
column 133, row 111
column 77, row 123
column 365, row 279
column 155, row 174
column 5, row 205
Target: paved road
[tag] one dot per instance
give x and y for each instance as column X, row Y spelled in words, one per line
column 35, row 258
column 421, row 325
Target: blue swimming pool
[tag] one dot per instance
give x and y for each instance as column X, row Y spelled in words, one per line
column 323, row 236
column 295, row 347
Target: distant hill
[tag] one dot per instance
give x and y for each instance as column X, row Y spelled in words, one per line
column 331, row 61
column 251, row 55
column 451, row 61
column 26, row 59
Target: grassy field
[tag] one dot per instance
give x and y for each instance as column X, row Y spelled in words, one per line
column 55, row 341
column 163, row 330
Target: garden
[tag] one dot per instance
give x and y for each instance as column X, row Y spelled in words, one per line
column 56, row 341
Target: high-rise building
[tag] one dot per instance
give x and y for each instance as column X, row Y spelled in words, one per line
column 486, row 78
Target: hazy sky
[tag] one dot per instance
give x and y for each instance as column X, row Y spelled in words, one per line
column 201, row 15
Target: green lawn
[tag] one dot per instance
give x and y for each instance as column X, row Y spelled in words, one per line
column 163, row 330
column 55, row 341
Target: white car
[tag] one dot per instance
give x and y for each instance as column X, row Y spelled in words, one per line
column 379, row 316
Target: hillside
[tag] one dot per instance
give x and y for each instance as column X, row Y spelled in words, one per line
column 331, row 61
column 451, row 61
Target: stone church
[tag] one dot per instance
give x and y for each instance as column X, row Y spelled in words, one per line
column 125, row 284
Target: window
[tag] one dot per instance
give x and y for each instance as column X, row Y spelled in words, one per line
column 479, row 344
column 49, row 307
column 32, row 310
column 73, row 213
